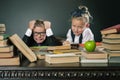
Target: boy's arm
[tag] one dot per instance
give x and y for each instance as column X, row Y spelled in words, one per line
column 48, row 28
column 30, row 28
column 31, row 24
column 49, row 32
column 27, row 37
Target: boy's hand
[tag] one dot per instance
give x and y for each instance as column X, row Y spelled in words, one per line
column 31, row 24
column 47, row 24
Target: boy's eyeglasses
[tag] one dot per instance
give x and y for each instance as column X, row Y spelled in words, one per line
column 40, row 33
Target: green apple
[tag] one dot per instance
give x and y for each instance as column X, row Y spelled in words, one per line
column 90, row 45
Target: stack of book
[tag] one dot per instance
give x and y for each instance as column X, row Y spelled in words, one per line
column 7, row 56
column 40, row 51
column 111, row 42
column 62, row 58
column 94, row 57
column 2, row 28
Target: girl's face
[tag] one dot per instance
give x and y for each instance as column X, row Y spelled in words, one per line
column 78, row 26
column 39, row 34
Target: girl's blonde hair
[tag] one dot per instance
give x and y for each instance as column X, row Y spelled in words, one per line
column 82, row 12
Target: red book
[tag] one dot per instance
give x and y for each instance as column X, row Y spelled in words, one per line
column 112, row 29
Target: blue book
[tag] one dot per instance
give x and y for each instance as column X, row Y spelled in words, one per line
column 115, row 59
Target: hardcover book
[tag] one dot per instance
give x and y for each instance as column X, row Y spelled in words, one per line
column 2, row 28
column 94, row 64
column 3, row 36
column 61, row 58
column 41, row 54
column 76, row 51
column 2, row 25
column 94, row 55
column 44, row 48
column 114, row 59
column 111, row 46
column 111, row 53
column 6, row 48
column 111, row 40
column 85, row 60
column 27, row 52
column 10, row 61
column 111, row 36
column 6, row 54
column 112, row 29
column 114, row 54
column 3, row 43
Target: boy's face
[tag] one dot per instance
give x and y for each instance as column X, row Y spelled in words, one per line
column 39, row 34
column 78, row 26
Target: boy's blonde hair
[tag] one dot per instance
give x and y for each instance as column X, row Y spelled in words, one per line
column 39, row 23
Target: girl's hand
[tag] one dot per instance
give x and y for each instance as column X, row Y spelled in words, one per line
column 66, row 43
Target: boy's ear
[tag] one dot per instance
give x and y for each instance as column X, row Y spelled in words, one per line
column 87, row 25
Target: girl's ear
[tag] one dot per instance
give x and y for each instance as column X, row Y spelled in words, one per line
column 87, row 25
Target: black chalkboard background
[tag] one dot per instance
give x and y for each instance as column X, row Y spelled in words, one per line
column 17, row 13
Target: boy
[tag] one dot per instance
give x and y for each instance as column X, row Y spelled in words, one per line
column 39, row 33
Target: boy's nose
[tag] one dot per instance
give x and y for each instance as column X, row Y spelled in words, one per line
column 39, row 35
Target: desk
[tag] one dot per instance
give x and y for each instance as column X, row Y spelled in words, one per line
column 72, row 71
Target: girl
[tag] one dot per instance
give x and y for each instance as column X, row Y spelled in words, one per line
column 80, row 31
